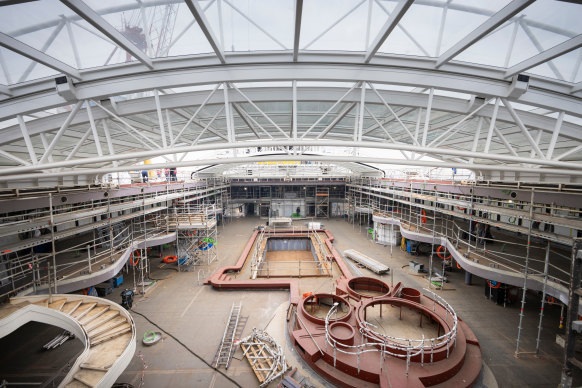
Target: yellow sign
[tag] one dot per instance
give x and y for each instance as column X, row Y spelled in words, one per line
column 280, row 162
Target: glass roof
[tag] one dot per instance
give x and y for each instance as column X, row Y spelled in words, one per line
column 162, row 28
column 186, row 73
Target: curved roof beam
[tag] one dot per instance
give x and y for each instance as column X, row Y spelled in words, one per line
column 328, row 94
column 97, row 21
column 489, row 25
column 283, row 157
column 573, row 167
column 5, row 90
column 198, row 70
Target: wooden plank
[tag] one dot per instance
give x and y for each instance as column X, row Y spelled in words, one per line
column 106, row 354
column 58, row 304
column 42, row 303
column 111, row 334
column 108, row 316
column 83, row 309
column 94, row 314
column 89, row 377
column 94, row 332
column 70, row 307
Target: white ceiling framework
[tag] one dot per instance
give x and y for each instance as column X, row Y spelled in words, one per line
column 172, row 78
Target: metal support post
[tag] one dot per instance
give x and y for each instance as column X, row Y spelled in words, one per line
column 546, row 270
column 574, row 302
column 54, row 254
column 526, row 269
column 89, row 257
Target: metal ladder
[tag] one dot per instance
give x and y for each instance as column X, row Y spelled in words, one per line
column 225, row 350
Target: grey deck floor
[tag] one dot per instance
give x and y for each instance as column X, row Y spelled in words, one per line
column 196, row 315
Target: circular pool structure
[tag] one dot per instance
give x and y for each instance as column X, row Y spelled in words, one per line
column 410, row 294
column 365, row 287
column 343, row 333
column 315, row 308
column 402, row 323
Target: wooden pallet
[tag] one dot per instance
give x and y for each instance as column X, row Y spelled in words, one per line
column 267, row 362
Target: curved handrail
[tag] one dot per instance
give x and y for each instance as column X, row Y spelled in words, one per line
column 57, row 318
column 99, row 276
column 534, row 282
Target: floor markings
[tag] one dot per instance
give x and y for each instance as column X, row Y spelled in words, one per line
column 192, row 301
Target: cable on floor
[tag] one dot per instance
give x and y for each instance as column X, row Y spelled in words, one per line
column 188, row 349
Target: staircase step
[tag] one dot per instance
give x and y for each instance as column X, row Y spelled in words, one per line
column 93, row 367
column 111, row 334
column 42, row 303
column 94, row 314
column 107, row 316
column 58, row 304
column 83, row 310
column 76, row 384
column 89, row 377
column 71, row 306
column 116, row 321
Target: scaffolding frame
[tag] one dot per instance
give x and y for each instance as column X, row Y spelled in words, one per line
column 407, row 205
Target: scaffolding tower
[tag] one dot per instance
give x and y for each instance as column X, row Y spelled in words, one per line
column 322, row 202
column 196, row 233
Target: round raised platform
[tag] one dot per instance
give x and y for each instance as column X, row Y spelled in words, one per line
column 342, row 332
column 365, row 287
column 315, row 307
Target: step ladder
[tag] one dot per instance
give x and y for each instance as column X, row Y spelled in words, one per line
column 225, row 349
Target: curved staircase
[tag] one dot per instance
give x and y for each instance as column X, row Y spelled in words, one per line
column 106, row 329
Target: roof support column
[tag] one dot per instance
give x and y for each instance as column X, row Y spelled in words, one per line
column 522, row 127
column 108, row 139
column 492, row 125
column 356, row 121
column 504, row 141
column 93, row 128
column 555, row 134
column 476, row 138
column 79, row 144
column 27, row 141
column 362, row 105
column 228, row 113
column 417, row 130
column 427, row 118
column 294, row 109
column 45, row 144
column 160, row 117
column 61, row 131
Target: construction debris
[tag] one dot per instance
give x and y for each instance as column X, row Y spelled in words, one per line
column 265, row 356
column 234, row 328
column 58, row 340
column 366, row 261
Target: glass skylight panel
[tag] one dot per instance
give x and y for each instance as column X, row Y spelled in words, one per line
column 251, row 25
column 54, row 29
column 14, row 68
column 539, row 27
column 565, row 67
column 341, row 25
column 416, row 34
